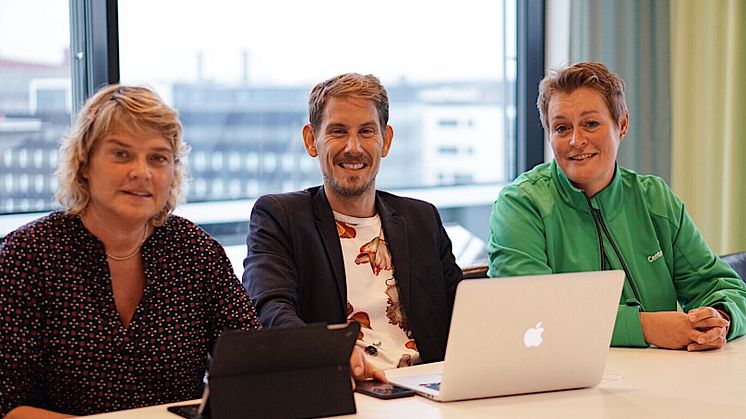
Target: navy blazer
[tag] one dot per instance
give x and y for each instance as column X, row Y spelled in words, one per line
column 294, row 270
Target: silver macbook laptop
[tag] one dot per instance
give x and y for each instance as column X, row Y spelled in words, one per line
column 522, row 335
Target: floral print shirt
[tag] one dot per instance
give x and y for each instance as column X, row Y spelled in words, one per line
column 373, row 295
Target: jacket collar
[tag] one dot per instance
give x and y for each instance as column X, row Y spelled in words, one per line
column 327, row 229
column 608, row 200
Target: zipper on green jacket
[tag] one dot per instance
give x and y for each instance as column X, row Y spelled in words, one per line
column 600, row 241
column 598, row 221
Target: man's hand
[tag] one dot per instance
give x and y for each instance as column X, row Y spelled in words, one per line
column 361, row 369
column 713, row 324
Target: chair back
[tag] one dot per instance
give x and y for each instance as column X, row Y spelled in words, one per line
column 475, row 271
column 737, row 261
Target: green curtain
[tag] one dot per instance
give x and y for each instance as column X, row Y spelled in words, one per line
column 708, row 91
column 632, row 38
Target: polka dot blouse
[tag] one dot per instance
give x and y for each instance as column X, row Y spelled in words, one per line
column 63, row 346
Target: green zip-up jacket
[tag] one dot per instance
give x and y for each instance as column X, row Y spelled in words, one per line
column 542, row 224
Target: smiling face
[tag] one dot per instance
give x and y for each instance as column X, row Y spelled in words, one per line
column 585, row 138
column 349, row 143
column 129, row 177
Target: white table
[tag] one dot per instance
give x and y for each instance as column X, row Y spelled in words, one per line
column 655, row 383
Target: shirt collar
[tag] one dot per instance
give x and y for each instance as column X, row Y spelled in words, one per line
column 608, row 200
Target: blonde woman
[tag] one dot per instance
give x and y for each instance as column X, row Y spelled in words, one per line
column 113, row 302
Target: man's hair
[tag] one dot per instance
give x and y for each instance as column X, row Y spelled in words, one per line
column 592, row 75
column 351, row 85
column 116, row 107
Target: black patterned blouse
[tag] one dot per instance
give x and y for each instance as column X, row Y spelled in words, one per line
column 62, row 344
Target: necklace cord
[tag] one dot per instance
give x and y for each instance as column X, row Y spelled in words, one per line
column 137, row 250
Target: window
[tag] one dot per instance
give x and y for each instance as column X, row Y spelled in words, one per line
column 242, row 80
column 35, row 100
column 241, row 84
column 240, row 73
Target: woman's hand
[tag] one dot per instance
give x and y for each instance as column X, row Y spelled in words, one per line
column 715, row 326
column 701, row 328
column 28, row 412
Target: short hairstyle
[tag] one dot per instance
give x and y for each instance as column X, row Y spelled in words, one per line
column 348, row 85
column 116, row 107
column 593, row 75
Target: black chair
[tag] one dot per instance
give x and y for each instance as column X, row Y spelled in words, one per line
column 737, row 261
column 475, row 271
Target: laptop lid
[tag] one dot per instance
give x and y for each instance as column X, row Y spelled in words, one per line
column 525, row 334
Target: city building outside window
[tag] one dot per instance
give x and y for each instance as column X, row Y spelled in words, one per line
column 240, row 74
column 35, row 101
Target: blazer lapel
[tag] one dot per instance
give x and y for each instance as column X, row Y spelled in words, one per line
column 395, row 233
column 328, row 232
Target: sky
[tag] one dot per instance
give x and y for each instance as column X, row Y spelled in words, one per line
column 37, row 30
column 288, row 42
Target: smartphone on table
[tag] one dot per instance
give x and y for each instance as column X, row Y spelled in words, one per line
column 382, row 390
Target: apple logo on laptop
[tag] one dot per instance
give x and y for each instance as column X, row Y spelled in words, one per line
column 532, row 338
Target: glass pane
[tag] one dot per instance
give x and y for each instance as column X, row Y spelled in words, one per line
column 35, row 100
column 240, row 74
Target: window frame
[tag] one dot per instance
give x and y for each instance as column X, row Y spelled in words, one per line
column 530, row 63
column 94, row 48
column 530, row 60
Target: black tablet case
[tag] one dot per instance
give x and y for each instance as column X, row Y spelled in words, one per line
column 284, row 373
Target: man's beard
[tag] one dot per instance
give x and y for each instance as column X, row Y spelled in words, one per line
column 349, row 192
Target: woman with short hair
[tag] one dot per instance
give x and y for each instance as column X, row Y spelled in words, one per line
column 583, row 212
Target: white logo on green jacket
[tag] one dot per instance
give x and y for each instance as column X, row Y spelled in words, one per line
column 653, row 258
